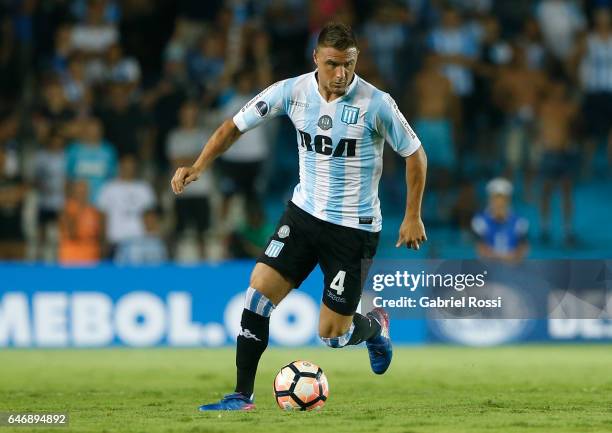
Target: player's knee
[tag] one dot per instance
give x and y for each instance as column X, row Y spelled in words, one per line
column 270, row 283
column 258, row 279
column 336, row 338
column 258, row 303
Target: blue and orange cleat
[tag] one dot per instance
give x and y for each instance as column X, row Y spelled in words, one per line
column 379, row 347
column 234, row 401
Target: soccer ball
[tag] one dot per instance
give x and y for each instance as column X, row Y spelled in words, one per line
column 301, row 385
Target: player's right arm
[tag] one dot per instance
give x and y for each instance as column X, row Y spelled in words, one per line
column 266, row 105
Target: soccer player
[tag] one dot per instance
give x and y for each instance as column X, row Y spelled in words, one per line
column 333, row 218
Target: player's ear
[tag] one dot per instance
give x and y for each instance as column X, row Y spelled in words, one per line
column 314, row 56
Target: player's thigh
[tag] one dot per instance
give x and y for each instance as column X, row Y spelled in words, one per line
column 270, row 283
column 342, row 254
column 289, row 253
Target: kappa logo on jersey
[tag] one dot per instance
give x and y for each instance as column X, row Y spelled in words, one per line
column 274, row 249
column 248, row 334
column 284, row 231
column 262, row 108
column 335, row 297
column 324, row 145
column 325, row 122
column 350, row 114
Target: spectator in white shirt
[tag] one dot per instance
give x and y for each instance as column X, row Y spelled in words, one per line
column 124, row 201
column 592, row 67
column 560, row 21
column 240, row 167
column 50, row 180
column 148, row 249
column 183, row 146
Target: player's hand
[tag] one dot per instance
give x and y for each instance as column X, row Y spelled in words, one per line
column 411, row 233
column 183, row 177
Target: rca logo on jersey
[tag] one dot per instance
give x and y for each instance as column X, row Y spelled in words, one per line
column 274, row 249
column 350, row 114
column 324, row 145
column 262, row 108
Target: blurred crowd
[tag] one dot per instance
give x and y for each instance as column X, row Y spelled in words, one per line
column 100, row 100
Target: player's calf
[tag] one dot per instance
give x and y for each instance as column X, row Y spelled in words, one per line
column 337, row 340
column 362, row 328
column 253, row 339
column 251, row 343
column 373, row 328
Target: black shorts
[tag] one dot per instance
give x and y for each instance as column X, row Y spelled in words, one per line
column 193, row 211
column 300, row 241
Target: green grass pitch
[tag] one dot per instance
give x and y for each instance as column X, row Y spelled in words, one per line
column 427, row 389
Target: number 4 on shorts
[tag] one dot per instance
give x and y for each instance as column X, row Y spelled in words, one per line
column 337, row 283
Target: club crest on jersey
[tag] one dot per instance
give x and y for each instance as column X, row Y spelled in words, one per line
column 284, row 231
column 274, row 248
column 262, row 108
column 350, row 114
column 325, row 122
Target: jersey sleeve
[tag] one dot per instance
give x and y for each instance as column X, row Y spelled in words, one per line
column 266, row 105
column 480, row 227
column 521, row 229
column 394, row 128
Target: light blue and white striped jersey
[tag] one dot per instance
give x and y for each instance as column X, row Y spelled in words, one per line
column 461, row 41
column 596, row 66
column 340, row 145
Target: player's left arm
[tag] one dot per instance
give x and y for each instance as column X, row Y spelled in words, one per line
column 394, row 127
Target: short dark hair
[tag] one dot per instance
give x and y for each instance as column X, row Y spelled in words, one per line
column 338, row 36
